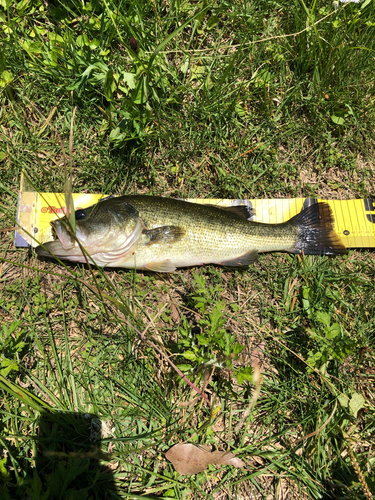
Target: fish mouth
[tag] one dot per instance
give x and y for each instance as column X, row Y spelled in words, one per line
column 65, row 246
column 66, row 238
column 106, row 254
column 56, row 249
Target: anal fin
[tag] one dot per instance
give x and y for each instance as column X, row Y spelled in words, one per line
column 242, row 260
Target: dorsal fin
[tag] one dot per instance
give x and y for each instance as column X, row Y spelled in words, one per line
column 242, row 211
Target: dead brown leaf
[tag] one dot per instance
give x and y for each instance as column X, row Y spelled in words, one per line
column 175, row 315
column 190, row 459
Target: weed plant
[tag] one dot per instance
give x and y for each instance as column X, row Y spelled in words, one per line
column 188, row 99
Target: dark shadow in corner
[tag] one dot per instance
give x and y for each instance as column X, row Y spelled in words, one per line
column 68, row 458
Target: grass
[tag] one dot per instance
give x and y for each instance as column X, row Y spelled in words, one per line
column 230, row 99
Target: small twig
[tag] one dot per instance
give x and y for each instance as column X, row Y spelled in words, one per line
column 206, row 381
column 248, row 151
column 320, row 428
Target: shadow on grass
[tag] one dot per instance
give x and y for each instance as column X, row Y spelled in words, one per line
column 68, row 459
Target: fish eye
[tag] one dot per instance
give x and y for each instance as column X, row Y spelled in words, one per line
column 80, row 214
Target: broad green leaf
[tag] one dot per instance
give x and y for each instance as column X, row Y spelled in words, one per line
column 197, row 71
column 343, row 400
column 202, row 339
column 82, row 40
column 54, row 37
column 94, row 44
column 33, row 47
column 323, row 317
column 189, row 355
column 333, row 331
column 356, row 403
column 3, row 470
column 6, row 78
column 36, row 487
column 22, row 6
column 7, row 366
column 40, row 30
column 109, row 84
column 245, row 373
column 213, row 21
column 240, row 110
column 139, row 94
column 339, row 120
column 365, row 4
column 184, row 368
column 129, row 79
column 114, row 133
column 185, row 65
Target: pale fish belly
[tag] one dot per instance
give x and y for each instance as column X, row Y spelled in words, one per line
column 196, row 249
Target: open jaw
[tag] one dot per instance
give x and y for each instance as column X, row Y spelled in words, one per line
column 114, row 249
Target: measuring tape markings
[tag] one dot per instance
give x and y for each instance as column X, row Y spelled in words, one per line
column 354, row 220
column 369, row 207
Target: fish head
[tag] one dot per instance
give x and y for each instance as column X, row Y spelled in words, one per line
column 109, row 226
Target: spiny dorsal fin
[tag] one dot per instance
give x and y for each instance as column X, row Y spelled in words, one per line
column 242, row 211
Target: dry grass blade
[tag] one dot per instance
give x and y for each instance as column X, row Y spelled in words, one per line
column 69, row 203
column 315, row 433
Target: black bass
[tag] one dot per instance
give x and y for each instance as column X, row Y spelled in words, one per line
column 161, row 234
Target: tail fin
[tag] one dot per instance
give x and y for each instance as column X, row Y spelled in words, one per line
column 316, row 235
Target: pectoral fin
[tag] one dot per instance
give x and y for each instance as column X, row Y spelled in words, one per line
column 242, row 260
column 164, row 234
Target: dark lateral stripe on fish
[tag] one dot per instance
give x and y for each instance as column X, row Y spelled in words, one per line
column 316, row 233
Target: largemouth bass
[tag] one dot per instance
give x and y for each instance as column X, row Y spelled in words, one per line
column 161, row 234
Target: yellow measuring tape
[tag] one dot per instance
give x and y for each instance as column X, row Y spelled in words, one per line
column 354, row 219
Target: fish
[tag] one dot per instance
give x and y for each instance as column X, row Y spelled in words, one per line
column 154, row 233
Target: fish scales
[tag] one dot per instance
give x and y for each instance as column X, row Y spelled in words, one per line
column 160, row 234
column 211, row 234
